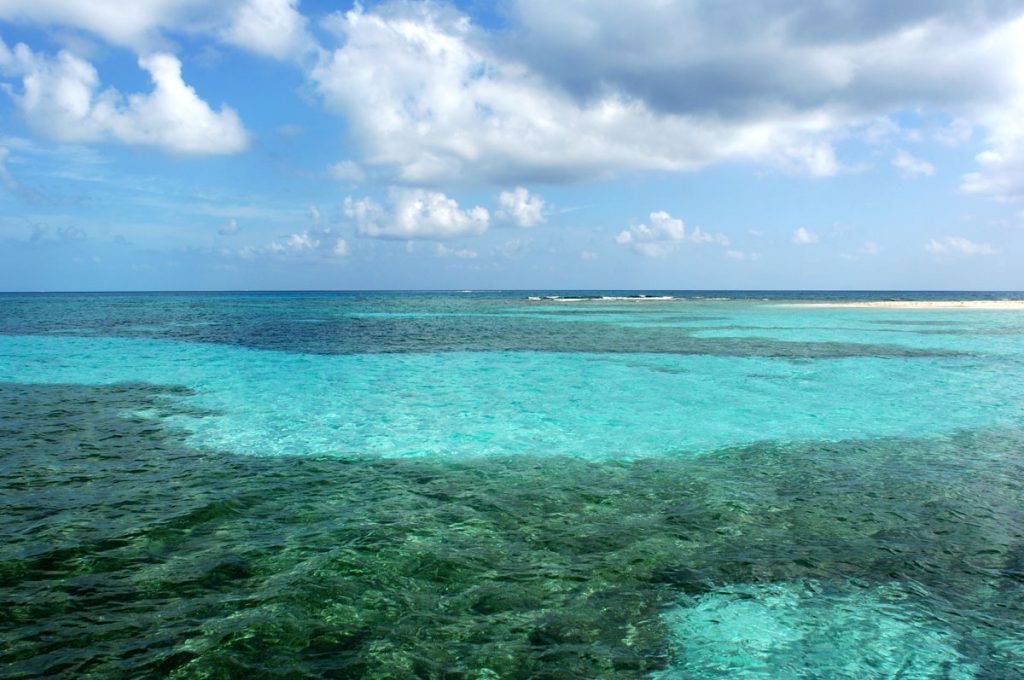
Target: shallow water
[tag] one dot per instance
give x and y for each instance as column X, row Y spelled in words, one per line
column 489, row 486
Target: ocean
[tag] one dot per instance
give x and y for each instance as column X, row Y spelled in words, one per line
column 541, row 484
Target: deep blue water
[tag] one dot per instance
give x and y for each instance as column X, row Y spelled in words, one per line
column 510, row 484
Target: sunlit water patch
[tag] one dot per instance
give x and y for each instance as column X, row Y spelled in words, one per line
column 815, row 629
column 588, row 405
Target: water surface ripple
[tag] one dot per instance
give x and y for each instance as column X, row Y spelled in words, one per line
column 185, row 503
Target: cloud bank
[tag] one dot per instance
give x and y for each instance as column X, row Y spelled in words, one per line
column 580, row 89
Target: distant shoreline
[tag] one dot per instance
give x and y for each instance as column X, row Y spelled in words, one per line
column 919, row 304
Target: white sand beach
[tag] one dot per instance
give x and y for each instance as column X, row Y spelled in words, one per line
column 922, row 304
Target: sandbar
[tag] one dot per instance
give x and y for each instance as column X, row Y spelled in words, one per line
column 921, row 304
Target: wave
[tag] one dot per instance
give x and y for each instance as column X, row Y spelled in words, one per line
column 590, row 298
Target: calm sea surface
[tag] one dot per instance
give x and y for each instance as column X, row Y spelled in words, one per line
column 510, row 485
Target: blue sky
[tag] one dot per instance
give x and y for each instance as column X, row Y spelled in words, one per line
column 276, row 144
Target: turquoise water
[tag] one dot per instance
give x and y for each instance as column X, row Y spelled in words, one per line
column 490, row 485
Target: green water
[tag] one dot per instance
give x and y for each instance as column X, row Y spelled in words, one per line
column 686, row 489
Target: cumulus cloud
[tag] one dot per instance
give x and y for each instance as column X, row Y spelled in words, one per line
column 134, row 24
column 415, row 214
column 6, row 56
column 295, row 243
column 428, row 97
column 664, row 234
column 1000, row 171
column 439, row 99
column 803, row 237
column 909, row 166
column 1000, row 174
column 311, row 244
column 694, row 58
column 229, row 228
column 520, row 208
column 958, row 245
column 61, row 98
column 271, row 27
column 434, row 98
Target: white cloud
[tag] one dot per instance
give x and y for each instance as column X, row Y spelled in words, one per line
column 1001, row 173
column 271, row 27
column 664, row 234
column 347, row 171
column 1001, row 167
column 955, row 133
column 444, row 251
column 958, row 245
column 415, row 214
column 61, row 98
column 520, row 208
column 436, row 98
column 295, row 243
column 909, row 166
column 803, row 237
column 786, row 53
column 881, row 130
column 319, row 245
column 134, row 24
column 741, row 255
column 6, row 56
column 229, row 228
column 427, row 97
column 698, row 236
column 314, row 214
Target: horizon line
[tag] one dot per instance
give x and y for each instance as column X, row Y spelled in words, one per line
column 507, row 290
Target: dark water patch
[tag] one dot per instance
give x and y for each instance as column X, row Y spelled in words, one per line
column 948, row 327
column 954, row 331
column 362, row 335
column 337, row 326
column 125, row 552
column 916, row 322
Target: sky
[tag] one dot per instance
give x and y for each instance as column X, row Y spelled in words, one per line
column 518, row 144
